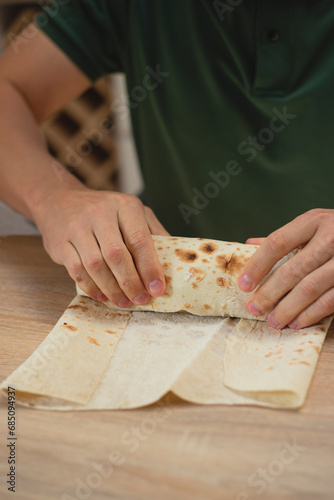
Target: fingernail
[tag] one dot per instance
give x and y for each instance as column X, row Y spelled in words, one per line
column 245, row 283
column 293, row 325
column 101, row 297
column 272, row 322
column 253, row 309
column 125, row 302
column 141, row 299
column 155, row 287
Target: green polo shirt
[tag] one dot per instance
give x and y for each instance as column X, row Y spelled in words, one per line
column 232, row 103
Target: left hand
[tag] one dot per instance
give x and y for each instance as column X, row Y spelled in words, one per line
column 302, row 289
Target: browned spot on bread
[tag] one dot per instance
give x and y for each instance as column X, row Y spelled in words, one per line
column 300, row 363
column 316, row 333
column 70, row 327
column 205, row 261
column 166, row 265
column 232, row 264
column 206, row 307
column 316, row 348
column 110, row 331
column 270, row 368
column 168, row 279
column 187, row 306
column 298, row 350
column 76, row 306
column 194, row 285
column 91, row 340
column 114, row 314
column 208, row 248
column 303, row 334
column 180, row 268
column 223, row 282
column 159, row 248
column 197, row 273
column 268, row 355
column 186, row 255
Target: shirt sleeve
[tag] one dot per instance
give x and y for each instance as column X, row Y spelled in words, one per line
column 92, row 33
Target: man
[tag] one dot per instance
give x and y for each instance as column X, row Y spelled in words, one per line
column 233, row 114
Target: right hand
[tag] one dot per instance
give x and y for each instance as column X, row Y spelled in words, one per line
column 104, row 241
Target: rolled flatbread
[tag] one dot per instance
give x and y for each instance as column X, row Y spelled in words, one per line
column 201, row 276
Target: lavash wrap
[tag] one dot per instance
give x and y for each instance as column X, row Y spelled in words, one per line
column 96, row 358
column 201, row 276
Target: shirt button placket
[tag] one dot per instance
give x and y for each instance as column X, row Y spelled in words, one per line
column 274, row 55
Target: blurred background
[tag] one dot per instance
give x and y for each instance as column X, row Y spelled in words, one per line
column 86, row 136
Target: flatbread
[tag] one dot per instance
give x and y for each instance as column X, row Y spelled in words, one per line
column 254, row 364
column 101, row 358
column 70, row 362
column 201, row 277
column 209, row 360
column 271, row 366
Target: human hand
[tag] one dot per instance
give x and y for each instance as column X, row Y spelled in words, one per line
column 104, row 241
column 302, row 289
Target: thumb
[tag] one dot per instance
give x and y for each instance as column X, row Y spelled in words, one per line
column 255, row 241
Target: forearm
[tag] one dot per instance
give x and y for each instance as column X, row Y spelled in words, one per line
column 28, row 173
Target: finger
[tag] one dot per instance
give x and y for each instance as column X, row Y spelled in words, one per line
column 154, row 224
column 322, row 307
column 139, row 241
column 120, row 262
column 96, row 267
column 275, row 246
column 71, row 260
column 312, row 287
column 255, row 241
column 288, row 275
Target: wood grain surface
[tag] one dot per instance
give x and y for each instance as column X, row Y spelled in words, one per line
column 168, row 451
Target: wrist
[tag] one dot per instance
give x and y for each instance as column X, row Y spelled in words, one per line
column 51, row 191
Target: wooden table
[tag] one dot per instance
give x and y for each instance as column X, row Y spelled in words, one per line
column 171, row 451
